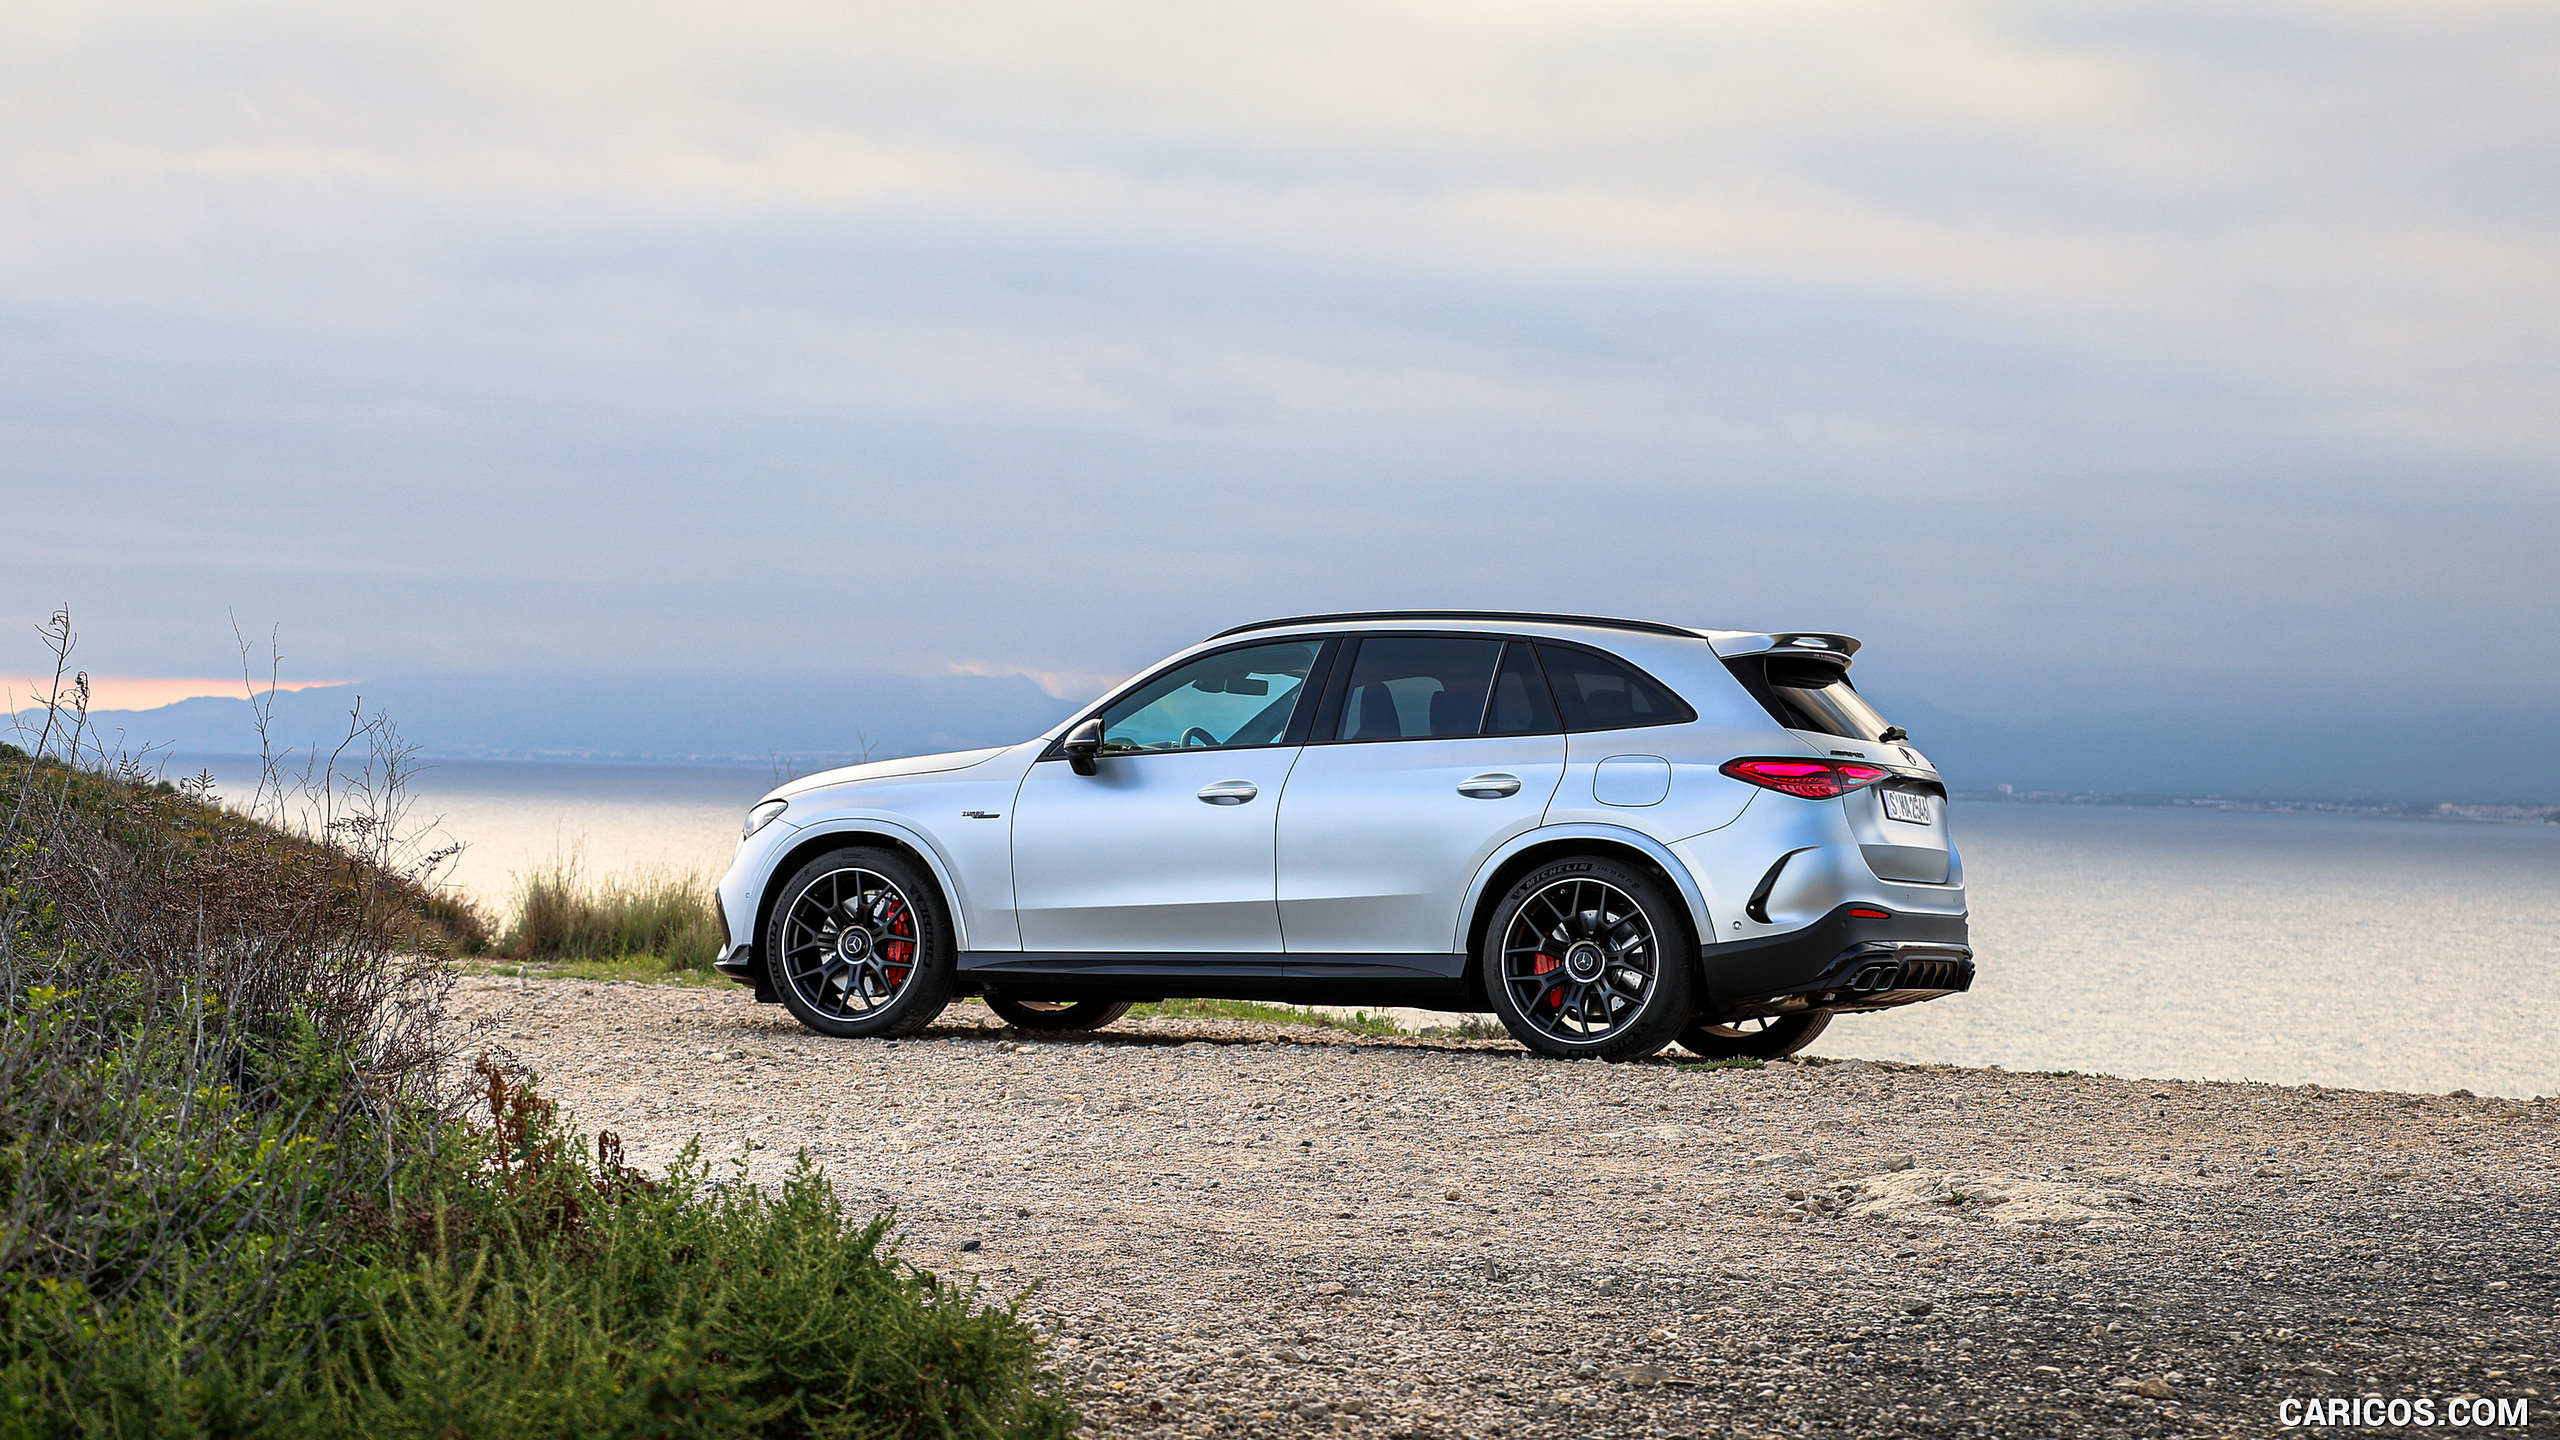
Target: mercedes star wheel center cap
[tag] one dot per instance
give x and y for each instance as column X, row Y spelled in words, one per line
column 1584, row 961
column 852, row 945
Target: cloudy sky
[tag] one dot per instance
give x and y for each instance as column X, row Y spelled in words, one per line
column 2192, row 358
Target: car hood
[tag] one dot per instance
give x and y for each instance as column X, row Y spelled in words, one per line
column 887, row 770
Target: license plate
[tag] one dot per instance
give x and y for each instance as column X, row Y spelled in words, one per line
column 1911, row 805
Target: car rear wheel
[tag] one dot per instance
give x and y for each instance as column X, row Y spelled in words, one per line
column 1589, row 958
column 1764, row 1038
column 859, row 945
column 1057, row 1015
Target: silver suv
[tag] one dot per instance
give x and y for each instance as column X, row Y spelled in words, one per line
column 1613, row 834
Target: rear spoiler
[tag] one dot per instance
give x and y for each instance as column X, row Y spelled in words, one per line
column 1734, row 644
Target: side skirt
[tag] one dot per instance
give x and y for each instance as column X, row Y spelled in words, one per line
column 1430, row 982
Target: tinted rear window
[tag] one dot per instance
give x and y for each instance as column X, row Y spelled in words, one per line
column 1599, row 692
column 1803, row 693
column 1423, row 688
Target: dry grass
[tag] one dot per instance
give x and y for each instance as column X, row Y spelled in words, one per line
column 1263, row 1014
column 564, row 917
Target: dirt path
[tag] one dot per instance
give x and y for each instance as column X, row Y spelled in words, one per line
column 1257, row 1229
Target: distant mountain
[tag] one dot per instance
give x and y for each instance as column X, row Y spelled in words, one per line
column 2492, row 757
column 810, row 718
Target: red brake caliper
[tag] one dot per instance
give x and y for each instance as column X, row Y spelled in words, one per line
column 897, row 952
column 1546, row 964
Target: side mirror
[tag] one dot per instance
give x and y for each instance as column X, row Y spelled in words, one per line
column 1082, row 745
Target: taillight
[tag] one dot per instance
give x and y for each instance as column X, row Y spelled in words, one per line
column 1805, row 779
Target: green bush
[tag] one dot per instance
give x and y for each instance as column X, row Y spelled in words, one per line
column 244, row 1190
column 516, row 1288
column 561, row 915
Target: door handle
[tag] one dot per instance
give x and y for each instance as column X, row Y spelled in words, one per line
column 1489, row 787
column 1229, row 792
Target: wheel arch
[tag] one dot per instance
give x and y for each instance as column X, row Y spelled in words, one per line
column 1527, row 852
column 836, row 835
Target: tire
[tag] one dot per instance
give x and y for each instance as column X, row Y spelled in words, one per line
column 1057, row 1015
column 860, row 946
column 1590, row 958
column 1766, row 1038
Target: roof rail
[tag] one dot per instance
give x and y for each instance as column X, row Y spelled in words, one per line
column 1530, row 617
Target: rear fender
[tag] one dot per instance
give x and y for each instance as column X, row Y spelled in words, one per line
column 1701, row 923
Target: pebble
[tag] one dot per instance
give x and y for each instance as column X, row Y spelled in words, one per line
column 1128, row 1186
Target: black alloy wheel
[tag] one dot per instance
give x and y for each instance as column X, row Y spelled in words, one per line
column 1589, row 958
column 859, row 946
column 1765, row 1037
column 1057, row 1015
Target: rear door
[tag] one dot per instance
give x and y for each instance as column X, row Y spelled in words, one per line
column 1900, row 821
column 1901, row 825
column 1431, row 752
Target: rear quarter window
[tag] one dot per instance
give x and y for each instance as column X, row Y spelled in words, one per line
column 1601, row 692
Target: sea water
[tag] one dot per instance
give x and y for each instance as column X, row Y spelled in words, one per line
column 2381, row 954
column 2376, row 954
column 513, row 819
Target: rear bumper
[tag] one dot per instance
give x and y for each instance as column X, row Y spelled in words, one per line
column 1839, row 963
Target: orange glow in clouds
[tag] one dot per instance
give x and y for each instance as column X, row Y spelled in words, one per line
column 149, row 692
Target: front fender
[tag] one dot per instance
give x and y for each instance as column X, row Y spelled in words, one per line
column 1690, row 894
column 853, row 825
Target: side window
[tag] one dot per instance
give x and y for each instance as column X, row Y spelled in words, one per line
column 1417, row 689
column 1596, row 692
column 1235, row 697
column 1521, row 705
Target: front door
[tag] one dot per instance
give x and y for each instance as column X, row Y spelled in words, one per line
column 1169, row 848
column 1444, row 749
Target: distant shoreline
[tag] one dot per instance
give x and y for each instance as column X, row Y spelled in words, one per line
column 785, row 767
column 794, row 766
column 2359, row 809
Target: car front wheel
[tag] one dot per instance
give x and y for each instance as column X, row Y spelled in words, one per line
column 859, row 945
column 1589, row 958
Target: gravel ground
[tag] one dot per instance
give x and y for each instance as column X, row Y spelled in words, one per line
column 1254, row 1229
